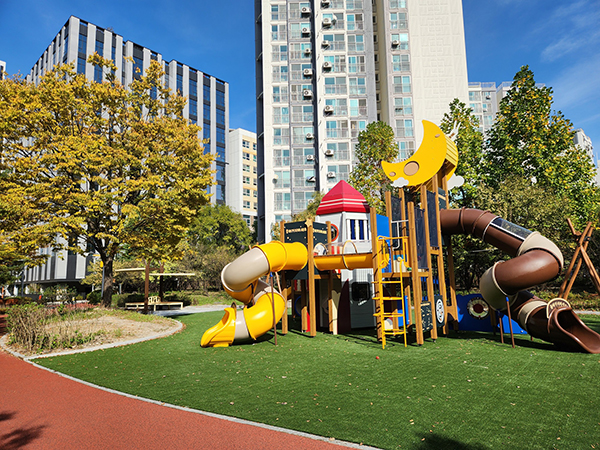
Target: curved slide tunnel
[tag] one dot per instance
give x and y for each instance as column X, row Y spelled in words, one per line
column 535, row 260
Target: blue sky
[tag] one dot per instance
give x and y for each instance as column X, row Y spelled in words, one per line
column 559, row 40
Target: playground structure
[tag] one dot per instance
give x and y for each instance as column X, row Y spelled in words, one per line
column 348, row 251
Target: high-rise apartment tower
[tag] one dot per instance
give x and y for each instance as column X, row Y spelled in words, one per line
column 327, row 68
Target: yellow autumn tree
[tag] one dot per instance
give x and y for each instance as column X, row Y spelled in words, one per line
column 105, row 165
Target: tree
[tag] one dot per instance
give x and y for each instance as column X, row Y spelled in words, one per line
column 219, row 226
column 107, row 165
column 375, row 144
column 469, row 142
column 527, row 140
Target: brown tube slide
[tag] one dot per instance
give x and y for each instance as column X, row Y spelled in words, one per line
column 536, row 260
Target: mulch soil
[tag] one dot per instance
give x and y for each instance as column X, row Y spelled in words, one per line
column 42, row 410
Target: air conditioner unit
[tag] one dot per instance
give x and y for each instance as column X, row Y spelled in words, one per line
column 305, row 30
column 328, row 109
column 307, row 72
column 311, row 179
column 488, row 97
column 330, row 174
column 395, row 43
column 329, row 152
column 327, row 22
column 327, row 65
column 310, row 157
column 325, row 3
column 325, row 44
column 305, row 10
column 307, row 51
column 310, row 136
column 307, row 93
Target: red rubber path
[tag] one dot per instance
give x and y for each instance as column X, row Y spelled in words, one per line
column 42, row 410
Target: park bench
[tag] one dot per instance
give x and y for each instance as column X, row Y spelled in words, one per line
column 153, row 302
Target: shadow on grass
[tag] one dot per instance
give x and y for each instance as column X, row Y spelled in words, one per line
column 19, row 437
column 434, row 442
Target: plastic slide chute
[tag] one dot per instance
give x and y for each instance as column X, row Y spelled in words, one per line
column 535, row 260
column 241, row 280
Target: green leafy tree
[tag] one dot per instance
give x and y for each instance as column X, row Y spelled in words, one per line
column 375, row 144
column 527, row 140
column 219, row 226
column 106, row 165
column 469, row 142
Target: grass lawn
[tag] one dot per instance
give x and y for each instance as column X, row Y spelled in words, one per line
column 467, row 391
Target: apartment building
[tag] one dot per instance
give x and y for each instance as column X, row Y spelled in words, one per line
column 327, row 68
column 208, row 100
column 242, row 177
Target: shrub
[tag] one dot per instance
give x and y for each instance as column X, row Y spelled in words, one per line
column 26, row 325
column 94, row 297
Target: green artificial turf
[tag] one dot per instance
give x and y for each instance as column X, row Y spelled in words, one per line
column 466, row 391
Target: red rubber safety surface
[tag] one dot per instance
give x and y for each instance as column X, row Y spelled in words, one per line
column 42, row 410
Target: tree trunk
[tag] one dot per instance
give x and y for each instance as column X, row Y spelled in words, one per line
column 108, row 282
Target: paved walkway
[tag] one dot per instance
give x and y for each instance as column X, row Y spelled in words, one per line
column 41, row 409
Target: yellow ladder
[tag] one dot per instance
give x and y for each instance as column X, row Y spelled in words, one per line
column 395, row 330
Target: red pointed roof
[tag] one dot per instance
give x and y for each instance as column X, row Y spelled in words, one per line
column 343, row 197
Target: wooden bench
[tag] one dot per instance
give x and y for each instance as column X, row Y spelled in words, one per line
column 153, row 302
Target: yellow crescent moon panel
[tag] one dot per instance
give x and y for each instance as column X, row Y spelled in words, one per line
column 426, row 161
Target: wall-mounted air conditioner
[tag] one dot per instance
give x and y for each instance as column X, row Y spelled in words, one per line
column 305, row 30
column 327, row 22
column 395, row 43
column 329, row 152
column 311, row 179
column 325, row 44
column 305, row 10
column 330, row 174
column 328, row 109
column 307, row 93
column 327, row 65
column 310, row 136
column 307, row 72
column 310, row 157
column 325, row 3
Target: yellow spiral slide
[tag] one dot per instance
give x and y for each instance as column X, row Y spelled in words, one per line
column 241, row 280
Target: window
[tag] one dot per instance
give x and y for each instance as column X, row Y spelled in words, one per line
column 336, row 128
column 358, row 86
column 398, row 21
column 406, row 149
column 220, row 136
column 281, row 157
column 336, row 41
column 304, row 178
column 220, row 98
column 277, row 12
column 356, row 64
column 221, row 116
column 404, row 128
column 220, row 191
column 206, row 92
column 193, row 109
column 400, row 63
column 179, row 83
column 354, row 22
column 395, row 4
column 246, row 144
column 281, row 179
column 403, row 106
column 206, row 111
column 335, row 85
column 220, row 153
column 220, row 173
column 338, row 151
column 247, row 192
column 82, row 47
column 281, row 115
column 356, row 43
column 340, row 105
column 354, row 4
column 402, row 85
column 279, row 53
column 280, row 94
column 304, row 156
column 301, row 200
column 402, row 39
column 278, row 33
column 282, row 201
column 358, row 107
column 338, row 63
column 193, row 87
column 281, row 136
column 300, row 133
column 280, row 73
column 80, row 64
column 357, row 230
column 99, row 47
column 357, row 126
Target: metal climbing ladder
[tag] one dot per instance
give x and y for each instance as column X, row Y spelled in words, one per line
column 387, row 256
